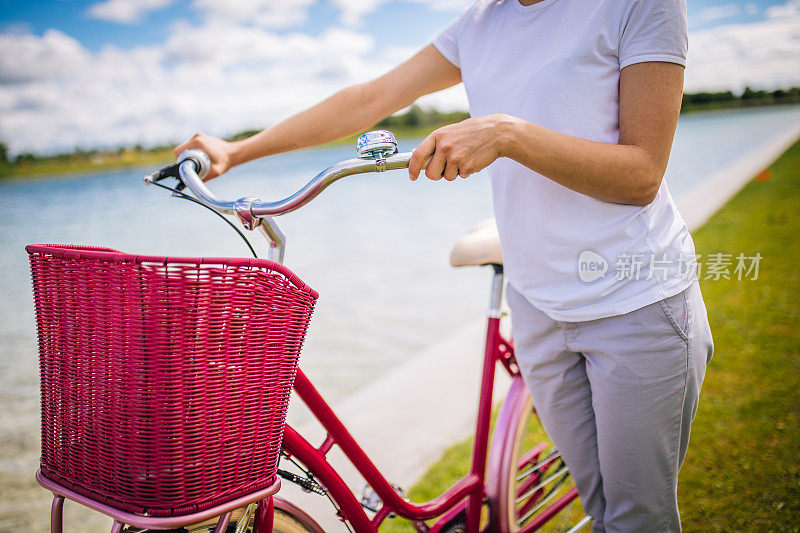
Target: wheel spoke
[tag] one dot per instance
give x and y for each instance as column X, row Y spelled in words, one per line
column 538, row 506
column 538, row 466
column 558, row 474
column 244, row 522
column 580, row 525
column 540, row 491
column 528, row 483
column 532, row 455
column 526, row 506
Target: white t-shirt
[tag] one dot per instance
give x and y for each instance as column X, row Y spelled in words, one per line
column 557, row 64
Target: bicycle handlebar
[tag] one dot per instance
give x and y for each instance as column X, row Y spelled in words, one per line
column 377, row 152
column 193, row 166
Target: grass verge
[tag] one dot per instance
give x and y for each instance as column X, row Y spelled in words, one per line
column 742, row 471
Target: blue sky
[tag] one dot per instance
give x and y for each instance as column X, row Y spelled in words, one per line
column 108, row 72
column 396, row 22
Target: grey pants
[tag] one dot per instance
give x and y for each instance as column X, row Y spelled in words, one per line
column 617, row 396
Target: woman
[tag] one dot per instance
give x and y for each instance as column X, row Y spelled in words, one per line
column 574, row 106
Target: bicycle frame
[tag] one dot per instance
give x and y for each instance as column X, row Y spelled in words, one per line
column 377, row 153
column 467, row 494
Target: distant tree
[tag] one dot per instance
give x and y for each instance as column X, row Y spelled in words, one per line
column 751, row 95
column 414, row 118
column 3, row 154
column 24, row 158
column 237, row 137
column 726, row 96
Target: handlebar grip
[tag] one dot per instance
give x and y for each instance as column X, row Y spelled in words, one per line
column 169, row 171
column 199, row 159
column 202, row 163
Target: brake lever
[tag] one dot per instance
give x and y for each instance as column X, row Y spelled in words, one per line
column 170, row 171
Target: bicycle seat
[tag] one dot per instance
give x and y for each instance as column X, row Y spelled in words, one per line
column 479, row 246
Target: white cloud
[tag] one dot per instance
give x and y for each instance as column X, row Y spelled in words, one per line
column 710, row 14
column 265, row 13
column 446, row 5
column 352, row 11
column 125, row 11
column 760, row 54
column 789, row 9
column 24, row 57
column 214, row 77
column 231, row 72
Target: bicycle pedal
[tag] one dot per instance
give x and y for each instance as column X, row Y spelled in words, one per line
column 372, row 502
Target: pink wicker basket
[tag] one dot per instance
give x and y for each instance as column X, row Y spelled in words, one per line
column 165, row 381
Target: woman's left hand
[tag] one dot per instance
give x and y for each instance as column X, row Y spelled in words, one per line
column 460, row 149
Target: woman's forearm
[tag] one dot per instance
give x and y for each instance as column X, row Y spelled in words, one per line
column 627, row 173
column 353, row 109
column 345, row 113
column 617, row 173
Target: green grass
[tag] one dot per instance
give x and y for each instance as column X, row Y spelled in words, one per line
column 742, row 470
column 455, row 463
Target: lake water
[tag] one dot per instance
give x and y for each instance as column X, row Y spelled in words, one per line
column 375, row 246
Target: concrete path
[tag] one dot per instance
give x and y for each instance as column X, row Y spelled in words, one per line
column 703, row 201
column 408, row 417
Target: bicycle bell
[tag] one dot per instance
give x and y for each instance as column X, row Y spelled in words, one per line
column 377, row 144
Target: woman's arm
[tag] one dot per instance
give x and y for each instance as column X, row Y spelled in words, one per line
column 629, row 172
column 347, row 112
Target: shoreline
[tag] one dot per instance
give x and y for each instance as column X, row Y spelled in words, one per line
column 153, row 158
column 700, row 203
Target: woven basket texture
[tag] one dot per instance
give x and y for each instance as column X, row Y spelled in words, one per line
column 164, row 381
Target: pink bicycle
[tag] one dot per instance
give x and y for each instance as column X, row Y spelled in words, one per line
column 204, row 478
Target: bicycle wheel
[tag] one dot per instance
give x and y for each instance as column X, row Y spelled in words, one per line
column 530, row 488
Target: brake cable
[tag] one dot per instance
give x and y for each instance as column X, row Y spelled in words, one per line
column 178, row 194
column 310, row 484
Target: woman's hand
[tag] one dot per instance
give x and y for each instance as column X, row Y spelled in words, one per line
column 461, row 149
column 220, row 151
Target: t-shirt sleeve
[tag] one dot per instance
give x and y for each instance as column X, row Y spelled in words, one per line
column 654, row 30
column 447, row 41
